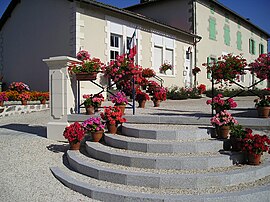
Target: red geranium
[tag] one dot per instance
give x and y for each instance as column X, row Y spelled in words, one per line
column 261, row 66
column 113, row 115
column 201, row 88
column 160, row 94
column 256, row 144
column 74, row 133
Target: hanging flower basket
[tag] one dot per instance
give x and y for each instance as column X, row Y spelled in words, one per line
column 83, row 76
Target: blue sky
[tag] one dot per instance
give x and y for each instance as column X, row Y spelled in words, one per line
column 256, row 10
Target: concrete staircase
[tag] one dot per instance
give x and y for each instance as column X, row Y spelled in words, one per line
column 163, row 163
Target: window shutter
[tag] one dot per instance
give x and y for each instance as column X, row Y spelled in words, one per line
column 239, row 41
column 254, row 48
column 262, row 49
column 212, row 28
column 208, row 73
column 250, row 46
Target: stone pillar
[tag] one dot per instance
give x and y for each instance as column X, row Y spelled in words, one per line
column 62, row 95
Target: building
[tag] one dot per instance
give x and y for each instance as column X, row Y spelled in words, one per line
column 222, row 30
column 33, row 30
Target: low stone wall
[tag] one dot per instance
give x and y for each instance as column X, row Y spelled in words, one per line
column 14, row 108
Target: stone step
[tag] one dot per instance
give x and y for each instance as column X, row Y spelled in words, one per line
column 110, row 192
column 146, row 178
column 155, row 146
column 162, row 161
column 167, row 132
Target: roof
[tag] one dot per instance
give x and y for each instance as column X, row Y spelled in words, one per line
column 14, row 3
column 212, row 1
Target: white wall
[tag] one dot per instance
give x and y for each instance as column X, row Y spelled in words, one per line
column 215, row 48
column 36, row 30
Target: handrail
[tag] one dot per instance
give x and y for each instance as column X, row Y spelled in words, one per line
column 159, row 79
column 107, row 89
column 238, row 93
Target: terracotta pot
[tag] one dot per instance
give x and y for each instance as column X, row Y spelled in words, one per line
column 263, row 112
column 96, row 136
column 90, row 110
column 254, row 159
column 236, row 143
column 111, row 128
column 1, row 103
column 122, row 108
column 142, row 103
column 75, row 146
column 223, row 131
column 83, row 76
column 156, row 103
column 24, row 102
column 43, row 102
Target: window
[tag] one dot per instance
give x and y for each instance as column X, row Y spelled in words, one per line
column 227, row 38
column 252, row 47
column 115, row 45
column 239, row 41
column 212, row 28
column 210, row 61
column 158, row 57
column 169, row 59
column 261, row 49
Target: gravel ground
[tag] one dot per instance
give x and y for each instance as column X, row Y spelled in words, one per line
column 25, row 160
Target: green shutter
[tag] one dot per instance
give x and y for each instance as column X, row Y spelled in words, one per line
column 212, row 28
column 250, row 46
column 254, row 48
column 262, row 49
column 227, row 35
column 208, row 73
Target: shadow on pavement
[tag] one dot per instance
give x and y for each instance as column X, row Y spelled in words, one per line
column 56, row 148
column 40, row 131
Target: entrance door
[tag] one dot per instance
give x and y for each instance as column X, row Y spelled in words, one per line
column 187, row 69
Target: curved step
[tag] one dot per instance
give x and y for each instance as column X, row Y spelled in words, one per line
column 167, row 132
column 154, row 146
column 90, row 167
column 158, row 161
column 110, row 192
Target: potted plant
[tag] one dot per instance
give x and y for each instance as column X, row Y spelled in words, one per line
column 160, row 95
column 261, row 66
column 220, row 104
column 86, row 69
column 24, row 97
column 95, row 127
column 92, row 102
column 195, row 71
column 19, row 87
column 152, row 86
column 227, row 67
column 141, row 98
column 201, row 88
column 113, row 117
column 120, row 100
column 74, row 134
column 164, row 67
column 3, row 98
column 255, row 146
column 222, row 122
column 263, row 106
column 148, row 73
column 42, row 97
column 237, row 134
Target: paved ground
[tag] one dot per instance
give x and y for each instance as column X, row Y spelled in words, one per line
column 26, row 154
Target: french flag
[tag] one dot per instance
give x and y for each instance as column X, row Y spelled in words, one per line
column 133, row 45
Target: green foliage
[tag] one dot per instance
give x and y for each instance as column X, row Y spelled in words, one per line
column 231, row 92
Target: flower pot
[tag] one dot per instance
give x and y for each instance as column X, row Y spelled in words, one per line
column 111, row 128
column 222, row 132
column 43, row 102
column 122, row 108
column 142, row 103
column 236, row 143
column 96, row 136
column 75, row 146
column 254, row 159
column 1, row 103
column 156, row 103
column 83, row 76
column 263, row 112
column 24, row 102
column 90, row 110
